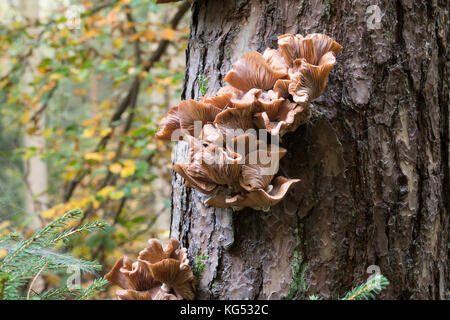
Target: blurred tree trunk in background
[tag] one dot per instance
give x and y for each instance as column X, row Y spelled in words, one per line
column 36, row 179
column 373, row 162
column 36, row 174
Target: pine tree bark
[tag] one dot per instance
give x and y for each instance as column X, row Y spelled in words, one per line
column 373, row 161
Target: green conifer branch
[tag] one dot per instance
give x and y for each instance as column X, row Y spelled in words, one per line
column 368, row 289
column 27, row 259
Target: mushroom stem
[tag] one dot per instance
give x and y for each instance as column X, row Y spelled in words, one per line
column 165, row 287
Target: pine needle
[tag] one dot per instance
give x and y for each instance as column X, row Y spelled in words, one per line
column 27, row 259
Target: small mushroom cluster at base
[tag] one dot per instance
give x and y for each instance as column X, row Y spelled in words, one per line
column 268, row 94
column 158, row 274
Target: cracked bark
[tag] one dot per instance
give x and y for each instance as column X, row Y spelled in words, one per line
column 373, row 161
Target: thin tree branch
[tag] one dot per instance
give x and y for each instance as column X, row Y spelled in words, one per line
column 45, row 105
column 34, row 280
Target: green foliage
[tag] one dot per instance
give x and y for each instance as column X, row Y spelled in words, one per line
column 369, row 289
column 199, row 265
column 41, row 254
column 298, row 283
column 95, row 287
column 203, row 82
column 365, row 291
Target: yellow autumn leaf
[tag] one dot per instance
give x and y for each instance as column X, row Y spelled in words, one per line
column 50, row 213
column 106, row 191
column 46, row 133
column 129, row 167
column 33, row 130
column 89, row 132
column 11, row 100
column 69, row 175
column 5, row 224
column 79, row 92
column 160, row 90
column 88, row 122
column 134, row 37
column 168, row 34
column 136, row 152
column 64, row 33
column 29, row 153
column 110, row 155
column 118, row 43
column 142, row 74
column 105, row 104
column 116, row 195
column 43, row 69
column 135, row 190
column 164, row 233
column 3, row 253
column 115, row 168
column 165, row 81
column 149, row 35
column 4, row 82
column 75, row 71
column 25, row 117
column 88, row 34
column 53, row 76
column 105, row 131
column 95, row 156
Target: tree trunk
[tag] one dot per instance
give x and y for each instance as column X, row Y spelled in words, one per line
column 373, row 160
column 36, row 178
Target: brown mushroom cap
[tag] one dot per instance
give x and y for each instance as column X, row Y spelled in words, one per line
column 259, row 199
column 155, row 252
column 276, row 61
column 196, row 177
column 220, row 101
column 153, row 275
column 190, row 111
column 310, row 80
column 168, row 124
column 288, row 117
column 253, row 175
column 173, row 274
column 252, row 71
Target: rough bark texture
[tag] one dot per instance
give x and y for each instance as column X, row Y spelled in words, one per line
column 373, row 161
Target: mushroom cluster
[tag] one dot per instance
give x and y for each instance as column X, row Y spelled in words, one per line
column 158, row 274
column 269, row 92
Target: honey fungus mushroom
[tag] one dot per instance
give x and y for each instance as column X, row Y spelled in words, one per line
column 158, row 274
column 239, row 179
column 271, row 91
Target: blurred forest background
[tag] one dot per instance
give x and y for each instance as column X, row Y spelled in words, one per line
column 82, row 87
